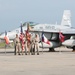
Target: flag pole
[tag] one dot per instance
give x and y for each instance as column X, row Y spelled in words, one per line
column 42, row 42
column 5, row 42
column 42, row 47
column 5, row 49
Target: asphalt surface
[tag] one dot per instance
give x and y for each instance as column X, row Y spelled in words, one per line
column 61, row 62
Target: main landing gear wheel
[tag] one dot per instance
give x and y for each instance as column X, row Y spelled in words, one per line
column 73, row 49
column 51, row 50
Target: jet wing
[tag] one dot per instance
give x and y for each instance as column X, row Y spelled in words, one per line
column 63, row 31
column 40, row 31
column 51, row 34
column 69, row 31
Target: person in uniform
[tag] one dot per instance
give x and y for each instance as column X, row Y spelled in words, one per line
column 37, row 43
column 29, row 43
column 17, row 44
column 33, row 46
column 21, row 37
column 25, row 44
column 26, row 49
column 26, row 41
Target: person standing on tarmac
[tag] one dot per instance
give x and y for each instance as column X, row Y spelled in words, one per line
column 37, row 43
column 33, row 46
column 25, row 44
column 17, row 44
column 29, row 43
column 22, row 42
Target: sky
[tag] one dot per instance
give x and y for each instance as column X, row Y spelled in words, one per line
column 13, row 12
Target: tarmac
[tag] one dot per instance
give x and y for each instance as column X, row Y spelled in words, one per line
column 61, row 62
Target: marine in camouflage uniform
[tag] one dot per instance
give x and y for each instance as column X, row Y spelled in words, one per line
column 37, row 43
column 17, row 44
column 33, row 46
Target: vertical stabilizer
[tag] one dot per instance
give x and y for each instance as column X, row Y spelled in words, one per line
column 66, row 20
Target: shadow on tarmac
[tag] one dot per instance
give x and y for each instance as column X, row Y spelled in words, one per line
column 2, row 52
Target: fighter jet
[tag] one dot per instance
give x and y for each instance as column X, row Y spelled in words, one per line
column 52, row 31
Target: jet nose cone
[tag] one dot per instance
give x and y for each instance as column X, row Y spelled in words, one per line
column 64, row 43
column 1, row 37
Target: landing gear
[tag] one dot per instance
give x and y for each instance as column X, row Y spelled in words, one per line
column 73, row 49
column 51, row 50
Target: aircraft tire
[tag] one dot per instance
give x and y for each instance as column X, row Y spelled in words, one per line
column 73, row 49
column 51, row 50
